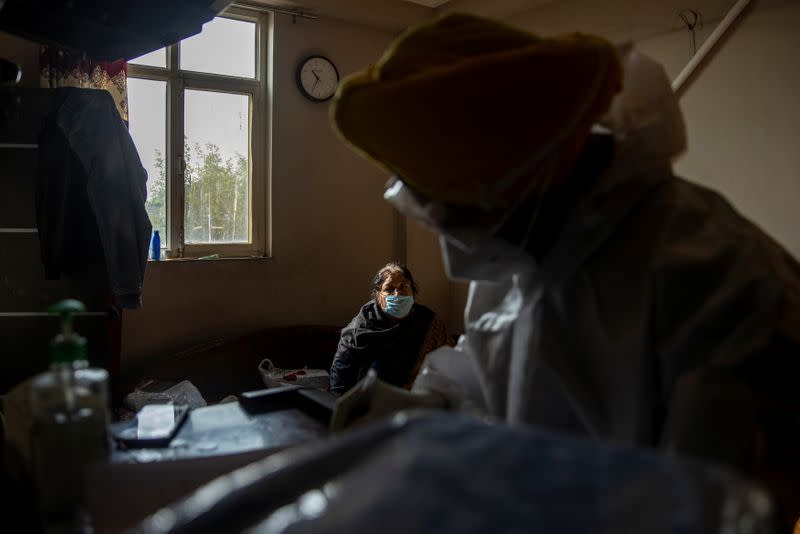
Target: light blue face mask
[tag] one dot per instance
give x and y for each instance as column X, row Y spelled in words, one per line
column 398, row 305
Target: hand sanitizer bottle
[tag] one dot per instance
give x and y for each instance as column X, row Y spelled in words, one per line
column 69, row 430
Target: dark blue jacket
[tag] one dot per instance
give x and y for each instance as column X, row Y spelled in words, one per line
column 91, row 193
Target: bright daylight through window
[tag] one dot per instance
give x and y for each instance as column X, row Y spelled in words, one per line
column 198, row 116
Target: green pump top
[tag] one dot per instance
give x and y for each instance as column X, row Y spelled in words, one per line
column 67, row 346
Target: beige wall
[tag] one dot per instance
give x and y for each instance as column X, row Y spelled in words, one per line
column 743, row 118
column 425, row 261
column 388, row 15
column 330, row 228
column 618, row 20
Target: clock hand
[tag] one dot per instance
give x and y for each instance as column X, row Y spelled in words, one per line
column 315, row 84
column 315, row 74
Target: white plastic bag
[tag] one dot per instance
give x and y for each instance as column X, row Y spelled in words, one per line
column 183, row 392
column 275, row 376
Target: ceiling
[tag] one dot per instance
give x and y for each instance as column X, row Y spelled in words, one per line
column 388, row 15
column 397, row 15
column 428, row 3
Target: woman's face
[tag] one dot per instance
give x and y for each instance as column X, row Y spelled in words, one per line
column 395, row 283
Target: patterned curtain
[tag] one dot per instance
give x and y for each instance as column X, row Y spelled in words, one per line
column 60, row 68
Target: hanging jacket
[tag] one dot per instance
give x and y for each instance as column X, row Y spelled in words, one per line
column 91, row 191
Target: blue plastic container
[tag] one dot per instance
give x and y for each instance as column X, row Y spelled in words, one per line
column 155, row 246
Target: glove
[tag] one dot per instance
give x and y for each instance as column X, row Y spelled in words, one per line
column 372, row 399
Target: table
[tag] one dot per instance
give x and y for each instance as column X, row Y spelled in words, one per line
column 227, row 429
column 214, row 441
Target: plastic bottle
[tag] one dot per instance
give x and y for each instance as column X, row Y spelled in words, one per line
column 69, row 430
column 155, row 246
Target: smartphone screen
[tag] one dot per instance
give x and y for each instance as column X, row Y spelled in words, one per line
column 155, row 421
column 155, row 426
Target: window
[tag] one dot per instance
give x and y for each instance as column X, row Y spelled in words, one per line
column 198, row 117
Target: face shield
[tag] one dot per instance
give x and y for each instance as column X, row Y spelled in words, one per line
column 489, row 242
column 473, row 239
column 469, row 236
column 470, row 239
column 645, row 122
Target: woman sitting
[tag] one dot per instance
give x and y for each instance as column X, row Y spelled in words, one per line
column 391, row 334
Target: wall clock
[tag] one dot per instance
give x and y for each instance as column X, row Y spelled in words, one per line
column 317, row 78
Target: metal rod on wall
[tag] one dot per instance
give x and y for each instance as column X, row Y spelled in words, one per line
column 718, row 32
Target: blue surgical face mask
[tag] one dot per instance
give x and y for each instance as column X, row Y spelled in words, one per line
column 398, row 306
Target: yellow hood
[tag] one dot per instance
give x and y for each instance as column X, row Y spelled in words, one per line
column 456, row 105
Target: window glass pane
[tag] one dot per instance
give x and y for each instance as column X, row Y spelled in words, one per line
column 147, row 107
column 157, row 58
column 225, row 46
column 217, row 177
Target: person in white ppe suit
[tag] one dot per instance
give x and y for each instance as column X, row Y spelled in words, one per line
column 608, row 298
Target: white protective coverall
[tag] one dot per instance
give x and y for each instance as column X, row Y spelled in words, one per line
column 659, row 318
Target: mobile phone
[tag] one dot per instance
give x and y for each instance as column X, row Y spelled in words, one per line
column 316, row 403
column 270, row 399
column 154, row 426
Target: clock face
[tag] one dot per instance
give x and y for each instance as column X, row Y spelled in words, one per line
column 317, row 78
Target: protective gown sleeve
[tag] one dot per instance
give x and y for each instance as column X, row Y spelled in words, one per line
column 726, row 368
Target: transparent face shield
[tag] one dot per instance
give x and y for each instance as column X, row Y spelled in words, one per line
column 645, row 114
column 469, row 237
column 460, row 226
column 464, row 227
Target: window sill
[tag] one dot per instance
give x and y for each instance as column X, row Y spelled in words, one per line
column 209, row 260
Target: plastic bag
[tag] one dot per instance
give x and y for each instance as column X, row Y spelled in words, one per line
column 276, row 376
column 181, row 393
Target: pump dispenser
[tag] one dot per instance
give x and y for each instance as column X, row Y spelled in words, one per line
column 68, row 346
column 70, row 418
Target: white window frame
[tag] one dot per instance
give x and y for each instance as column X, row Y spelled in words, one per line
column 257, row 88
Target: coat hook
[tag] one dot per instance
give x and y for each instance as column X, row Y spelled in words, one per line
column 693, row 20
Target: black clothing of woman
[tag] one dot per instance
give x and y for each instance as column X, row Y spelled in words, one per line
column 375, row 340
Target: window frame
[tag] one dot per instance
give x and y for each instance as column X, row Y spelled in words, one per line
column 177, row 81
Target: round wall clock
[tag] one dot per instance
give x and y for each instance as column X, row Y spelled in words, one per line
column 317, row 78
